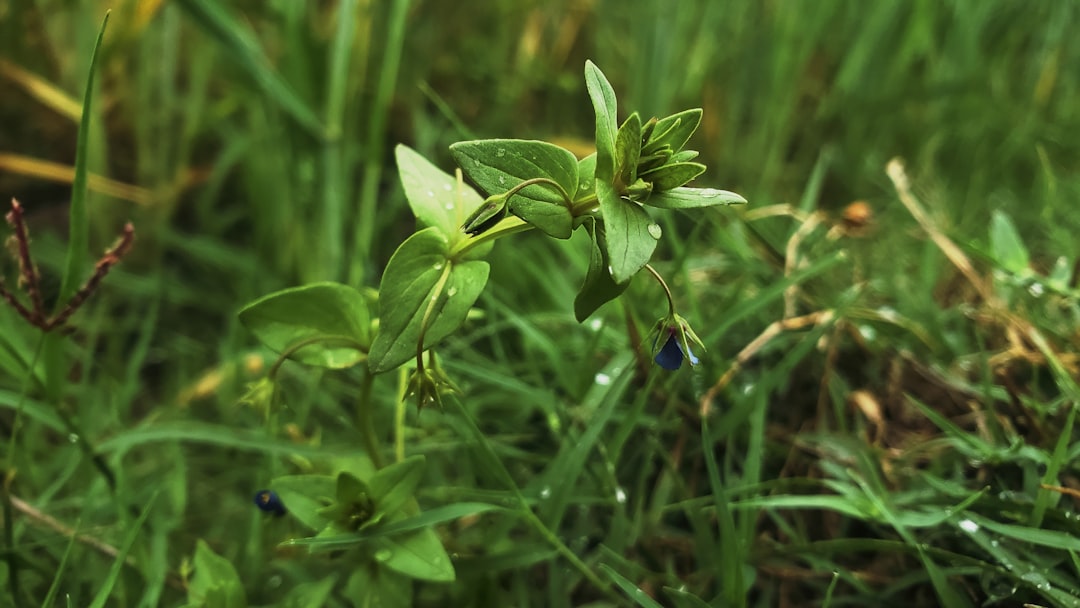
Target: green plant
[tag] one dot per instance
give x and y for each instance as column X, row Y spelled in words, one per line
column 435, row 277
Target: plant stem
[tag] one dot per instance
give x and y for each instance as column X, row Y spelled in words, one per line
column 667, row 290
column 365, row 421
column 399, row 415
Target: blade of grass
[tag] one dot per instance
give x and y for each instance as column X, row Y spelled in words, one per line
column 118, row 565
column 335, row 183
column 633, row 591
column 242, row 48
column 79, row 230
column 54, row 588
column 376, row 131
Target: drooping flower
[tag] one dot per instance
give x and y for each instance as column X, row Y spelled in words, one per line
column 269, row 501
column 672, row 343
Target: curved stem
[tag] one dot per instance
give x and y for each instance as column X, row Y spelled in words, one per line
column 667, row 290
column 399, row 414
column 296, row 346
column 540, row 181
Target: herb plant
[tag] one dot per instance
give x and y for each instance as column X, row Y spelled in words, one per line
column 433, row 280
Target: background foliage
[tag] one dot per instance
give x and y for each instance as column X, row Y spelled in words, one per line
column 904, row 436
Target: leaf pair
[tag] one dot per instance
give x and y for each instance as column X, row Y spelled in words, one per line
column 354, row 512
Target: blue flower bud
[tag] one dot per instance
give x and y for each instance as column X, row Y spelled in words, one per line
column 671, row 343
column 269, row 501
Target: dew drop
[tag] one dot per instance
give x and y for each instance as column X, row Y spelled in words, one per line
column 447, row 187
column 596, row 324
column 73, row 438
column 383, row 554
column 431, row 194
column 603, row 379
column 545, row 492
column 437, row 266
column 655, row 231
column 969, row 526
column 620, row 496
column 500, row 153
column 451, row 292
column 1036, row 289
column 449, row 206
column 502, row 180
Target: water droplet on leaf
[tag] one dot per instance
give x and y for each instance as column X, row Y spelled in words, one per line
column 655, row 231
column 603, row 379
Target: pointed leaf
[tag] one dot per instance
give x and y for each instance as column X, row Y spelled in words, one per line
column 692, row 198
column 422, row 292
column 674, row 130
column 75, row 261
column 1008, row 248
column 215, row 583
column 599, row 288
column 417, row 555
column 332, row 316
column 436, row 198
column 497, row 165
column 627, row 151
column 305, row 496
column 604, row 106
column 586, row 177
column 395, row 484
column 628, row 231
column 673, row 175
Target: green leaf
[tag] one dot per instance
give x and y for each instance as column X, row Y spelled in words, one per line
column 497, row 165
column 604, row 106
column 692, row 198
column 424, row 293
column 78, row 222
column 1008, row 248
column 417, row 555
column 599, row 288
column 550, row 218
column 215, row 583
column 627, row 151
column 628, row 231
column 315, row 594
column 410, row 523
column 374, row 587
column 674, row 130
column 350, row 488
column 393, row 485
column 586, row 176
column 673, row 175
column 304, row 496
column 332, row 317
column 436, row 198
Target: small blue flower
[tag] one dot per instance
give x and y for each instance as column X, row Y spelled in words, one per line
column 269, row 501
column 671, row 355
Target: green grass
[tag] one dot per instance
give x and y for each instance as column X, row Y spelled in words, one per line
column 897, row 452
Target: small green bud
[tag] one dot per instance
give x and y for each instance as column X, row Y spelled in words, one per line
column 486, row 216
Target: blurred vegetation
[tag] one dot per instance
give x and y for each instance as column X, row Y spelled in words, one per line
column 886, row 412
